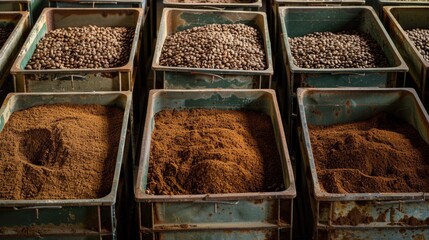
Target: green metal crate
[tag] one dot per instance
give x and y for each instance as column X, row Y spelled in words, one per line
column 344, row 105
column 299, row 21
column 174, row 20
column 77, row 80
column 254, row 5
column 19, row 20
column 34, row 7
column 98, row 3
column 379, row 4
column 399, row 19
column 259, row 215
column 83, row 218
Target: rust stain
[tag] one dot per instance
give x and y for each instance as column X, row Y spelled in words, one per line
column 418, row 237
column 412, row 221
column 354, row 217
column 382, row 217
column 316, row 112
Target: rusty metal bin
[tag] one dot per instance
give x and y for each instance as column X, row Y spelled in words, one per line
column 174, row 20
column 19, row 22
column 69, row 218
column 383, row 212
column 257, row 215
column 299, row 21
column 77, row 80
column 399, row 19
column 254, row 5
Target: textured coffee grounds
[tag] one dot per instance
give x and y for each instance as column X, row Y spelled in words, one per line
column 382, row 154
column 213, row 151
column 59, row 152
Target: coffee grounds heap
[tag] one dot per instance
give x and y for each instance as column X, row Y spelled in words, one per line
column 204, row 151
column 382, row 154
column 59, row 152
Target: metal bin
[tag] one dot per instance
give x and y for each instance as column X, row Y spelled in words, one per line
column 258, row 215
column 399, row 19
column 174, row 20
column 386, row 210
column 72, row 218
column 77, row 80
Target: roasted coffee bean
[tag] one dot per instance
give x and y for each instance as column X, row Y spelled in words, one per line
column 218, row 46
column 83, row 47
column 346, row 49
column 420, row 38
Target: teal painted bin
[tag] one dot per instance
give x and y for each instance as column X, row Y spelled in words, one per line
column 343, row 105
column 399, row 19
column 84, row 218
column 378, row 5
column 259, row 215
column 174, row 20
column 253, row 5
column 34, row 7
column 299, row 21
column 98, row 3
column 77, row 80
column 19, row 21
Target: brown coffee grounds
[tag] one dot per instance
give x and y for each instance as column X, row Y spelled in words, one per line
column 59, row 152
column 382, row 154
column 213, row 151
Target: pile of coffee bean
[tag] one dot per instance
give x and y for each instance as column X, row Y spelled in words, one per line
column 5, row 31
column 83, row 47
column 217, row 46
column 420, row 38
column 346, row 49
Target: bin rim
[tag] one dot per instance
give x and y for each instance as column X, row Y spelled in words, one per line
column 141, row 196
column 128, row 67
column 319, row 1
column 161, row 39
column 15, row 1
column 388, row 11
column 110, row 198
column 255, row 4
column 321, row 195
column 402, row 67
column 100, row 2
